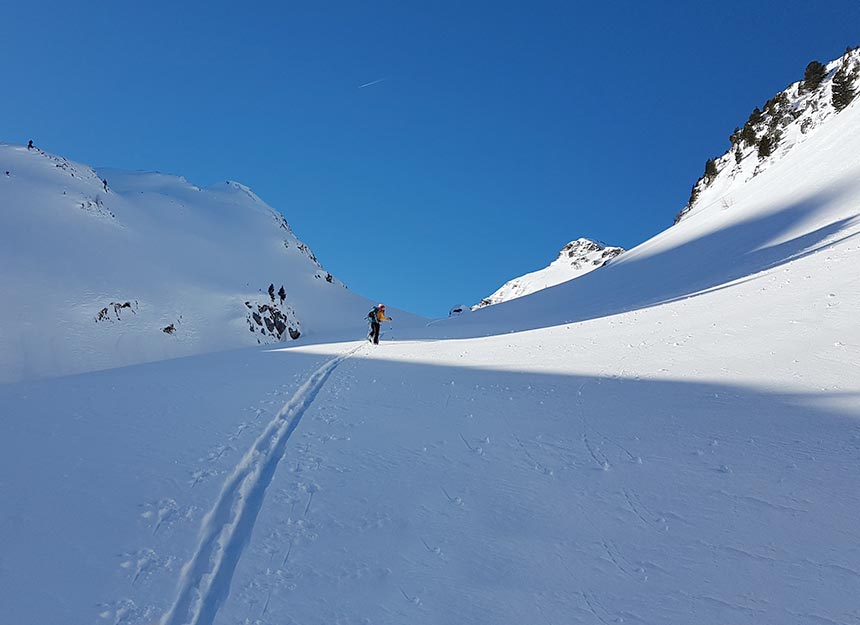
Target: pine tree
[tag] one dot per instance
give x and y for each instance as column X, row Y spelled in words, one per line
column 814, row 75
column 694, row 195
column 748, row 134
column 765, row 147
column 710, row 169
column 755, row 117
column 776, row 103
column 735, row 137
column 843, row 87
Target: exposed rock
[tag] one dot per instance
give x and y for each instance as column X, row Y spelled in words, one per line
column 273, row 320
column 117, row 307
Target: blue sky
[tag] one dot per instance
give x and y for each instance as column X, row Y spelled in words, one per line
column 498, row 131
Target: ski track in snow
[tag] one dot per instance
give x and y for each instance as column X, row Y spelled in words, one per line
column 226, row 530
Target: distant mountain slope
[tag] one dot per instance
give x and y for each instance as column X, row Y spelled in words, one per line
column 800, row 203
column 108, row 268
column 787, row 120
column 575, row 259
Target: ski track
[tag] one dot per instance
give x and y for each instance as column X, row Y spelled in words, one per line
column 226, row 529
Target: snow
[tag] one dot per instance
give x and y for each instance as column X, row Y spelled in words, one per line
column 575, row 259
column 673, row 439
column 798, row 118
column 177, row 254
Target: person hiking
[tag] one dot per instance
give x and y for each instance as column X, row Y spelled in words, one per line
column 376, row 317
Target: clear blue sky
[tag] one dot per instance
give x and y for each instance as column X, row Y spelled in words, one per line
column 501, row 130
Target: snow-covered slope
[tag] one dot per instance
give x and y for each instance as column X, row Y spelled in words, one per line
column 102, row 269
column 802, row 203
column 575, row 259
column 785, row 121
column 673, row 439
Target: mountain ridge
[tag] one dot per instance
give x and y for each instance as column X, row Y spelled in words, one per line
column 785, row 121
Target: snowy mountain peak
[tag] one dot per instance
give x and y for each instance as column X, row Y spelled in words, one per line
column 582, row 251
column 144, row 266
column 575, row 259
column 785, row 121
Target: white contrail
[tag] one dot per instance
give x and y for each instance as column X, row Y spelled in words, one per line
column 372, row 82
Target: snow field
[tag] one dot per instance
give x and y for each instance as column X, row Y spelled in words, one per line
column 671, row 440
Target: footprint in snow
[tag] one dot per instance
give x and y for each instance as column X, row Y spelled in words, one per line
column 161, row 513
column 199, row 476
column 141, row 564
column 123, row 612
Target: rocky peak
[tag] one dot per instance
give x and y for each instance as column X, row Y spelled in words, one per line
column 575, row 259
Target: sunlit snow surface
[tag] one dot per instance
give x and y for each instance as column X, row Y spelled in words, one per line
column 74, row 242
column 674, row 439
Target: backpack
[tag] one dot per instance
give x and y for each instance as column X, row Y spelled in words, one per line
column 371, row 316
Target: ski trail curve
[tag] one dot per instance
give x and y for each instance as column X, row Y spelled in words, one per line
column 226, row 529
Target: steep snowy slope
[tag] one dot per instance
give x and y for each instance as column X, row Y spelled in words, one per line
column 104, row 269
column 786, row 121
column 803, row 202
column 575, row 259
column 671, row 440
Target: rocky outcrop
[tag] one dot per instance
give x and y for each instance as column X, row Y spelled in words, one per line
column 105, row 313
column 273, row 320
